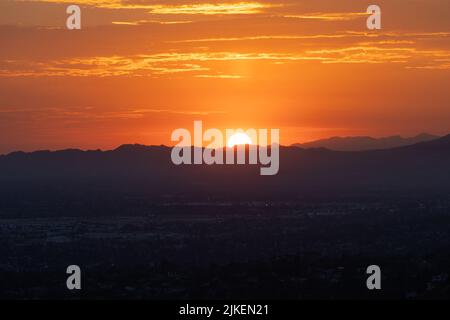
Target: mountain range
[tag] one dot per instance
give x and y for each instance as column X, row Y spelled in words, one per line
column 137, row 170
column 365, row 143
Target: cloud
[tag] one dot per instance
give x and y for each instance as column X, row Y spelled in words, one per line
column 212, row 8
column 219, row 76
column 414, row 50
column 220, row 8
column 140, row 65
column 338, row 35
column 443, row 66
column 89, row 113
column 196, row 63
column 339, row 16
column 268, row 37
column 143, row 22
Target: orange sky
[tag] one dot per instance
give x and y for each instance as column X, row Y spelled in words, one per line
column 139, row 69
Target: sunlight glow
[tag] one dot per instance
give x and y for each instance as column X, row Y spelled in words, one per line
column 238, row 139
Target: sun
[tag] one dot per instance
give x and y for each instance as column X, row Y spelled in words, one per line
column 238, row 139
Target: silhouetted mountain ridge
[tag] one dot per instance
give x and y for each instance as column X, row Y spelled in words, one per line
column 148, row 170
column 365, row 143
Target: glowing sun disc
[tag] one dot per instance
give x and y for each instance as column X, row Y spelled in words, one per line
column 238, row 139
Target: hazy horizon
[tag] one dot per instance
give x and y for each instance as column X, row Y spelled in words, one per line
column 171, row 145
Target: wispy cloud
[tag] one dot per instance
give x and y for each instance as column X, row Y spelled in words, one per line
column 220, row 76
column 364, row 54
column 339, row 16
column 140, row 65
column 413, row 49
column 143, row 22
column 198, row 64
column 208, row 8
column 339, row 35
column 212, row 8
column 170, row 111
column 268, row 37
column 80, row 113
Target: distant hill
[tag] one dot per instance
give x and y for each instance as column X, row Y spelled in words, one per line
column 136, row 170
column 365, row 143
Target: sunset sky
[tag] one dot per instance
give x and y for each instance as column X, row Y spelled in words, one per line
column 139, row 69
